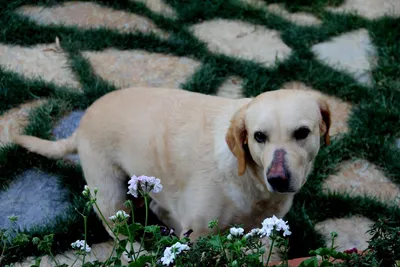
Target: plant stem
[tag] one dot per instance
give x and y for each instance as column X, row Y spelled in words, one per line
column 85, row 227
column 286, row 253
column 112, row 252
column 54, row 258
column 147, row 210
column 104, row 219
column 270, row 251
column 130, row 241
column 75, row 261
column 132, row 206
column 220, row 242
column 3, row 250
column 145, row 222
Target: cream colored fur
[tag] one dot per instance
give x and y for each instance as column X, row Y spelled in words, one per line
column 195, row 144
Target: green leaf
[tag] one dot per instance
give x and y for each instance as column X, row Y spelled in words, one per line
column 121, row 247
column 215, row 241
column 152, row 229
column 117, row 263
column 168, row 240
column 321, row 252
column 141, row 261
column 340, row 255
column 133, row 229
column 213, row 224
column 311, row 262
column 326, row 264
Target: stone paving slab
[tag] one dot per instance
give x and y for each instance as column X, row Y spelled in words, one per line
column 299, row 18
column 45, row 61
column 90, row 15
column 242, row 40
column 158, row 6
column 352, row 51
column 14, row 120
column 141, row 68
column 371, row 9
column 44, row 200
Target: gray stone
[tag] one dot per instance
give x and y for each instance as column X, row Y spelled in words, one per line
column 66, row 126
column 370, row 9
column 352, row 52
column 35, row 197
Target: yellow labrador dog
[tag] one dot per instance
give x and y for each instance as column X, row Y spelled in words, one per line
column 237, row 161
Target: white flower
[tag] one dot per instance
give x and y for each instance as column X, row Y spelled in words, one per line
column 269, row 224
column 120, row 216
column 236, row 231
column 265, row 231
column 168, row 257
column 178, row 247
column 252, row 233
column 143, row 185
column 282, row 226
column 171, row 252
column 80, row 244
column 86, row 191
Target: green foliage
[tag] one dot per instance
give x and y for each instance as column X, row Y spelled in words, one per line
column 229, row 248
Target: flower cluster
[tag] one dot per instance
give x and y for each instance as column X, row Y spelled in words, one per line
column 120, row 216
column 253, row 232
column 143, row 185
column 268, row 226
column 80, row 244
column 86, row 191
column 235, row 232
column 171, row 252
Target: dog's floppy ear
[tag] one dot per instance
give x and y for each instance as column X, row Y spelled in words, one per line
column 236, row 138
column 325, row 123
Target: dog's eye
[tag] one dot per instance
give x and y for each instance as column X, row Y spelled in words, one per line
column 260, row 137
column 301, row 133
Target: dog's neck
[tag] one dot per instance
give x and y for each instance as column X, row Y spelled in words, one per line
column 249, row 193
column 245, row 190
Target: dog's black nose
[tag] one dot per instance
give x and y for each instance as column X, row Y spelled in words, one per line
column 279, row 183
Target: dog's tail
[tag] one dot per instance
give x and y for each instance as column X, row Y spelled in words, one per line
column 49, row 149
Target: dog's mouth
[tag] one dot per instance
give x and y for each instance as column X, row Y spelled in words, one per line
column 289, row 190
column 280, row 191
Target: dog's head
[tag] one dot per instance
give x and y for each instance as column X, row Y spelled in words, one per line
column 279, row 132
